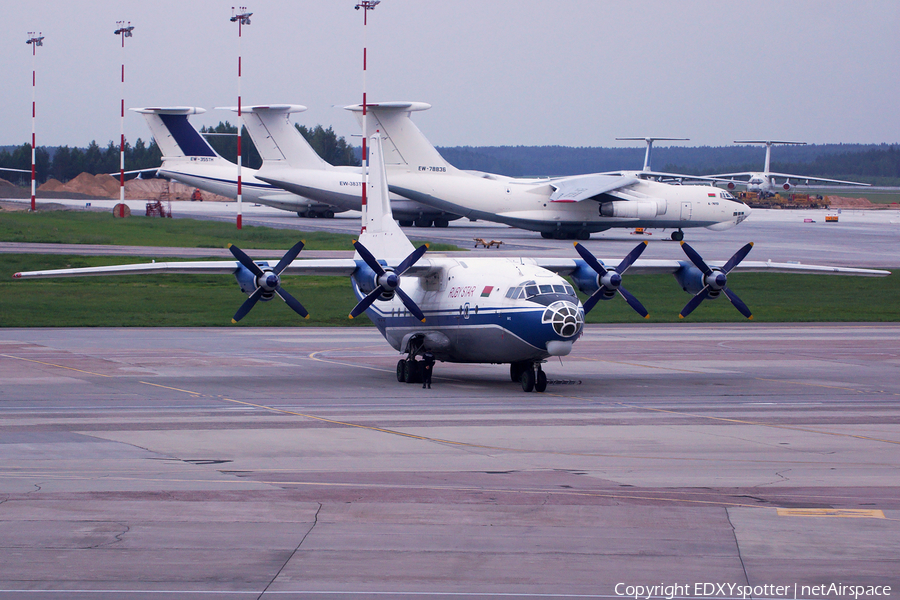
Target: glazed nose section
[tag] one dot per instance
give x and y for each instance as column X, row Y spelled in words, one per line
column 565, row 317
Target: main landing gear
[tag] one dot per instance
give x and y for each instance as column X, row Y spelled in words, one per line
column 410, row 370
column 530, row 375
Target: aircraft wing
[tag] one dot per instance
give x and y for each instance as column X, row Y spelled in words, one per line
column 657, row 266
column 808, row 179
column 731, row 175
column 337, row 267
column 576, row 189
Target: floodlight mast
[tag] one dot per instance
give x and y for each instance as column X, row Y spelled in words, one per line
column 123, row 30
column 366, row 5
column 35, row 39
column 242, row 18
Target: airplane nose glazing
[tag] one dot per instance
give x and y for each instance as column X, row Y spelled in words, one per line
column 565, row 317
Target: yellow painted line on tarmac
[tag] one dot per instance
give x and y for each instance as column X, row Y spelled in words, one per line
column 850, row 513
column 40, row 362
column 174, row 389
column 761, row 424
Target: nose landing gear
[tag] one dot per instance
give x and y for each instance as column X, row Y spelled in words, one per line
column 530, row 375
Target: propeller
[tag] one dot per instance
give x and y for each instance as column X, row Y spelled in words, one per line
column 611, row 279
column 715, row 280
column 388, row 281
column 268, row 281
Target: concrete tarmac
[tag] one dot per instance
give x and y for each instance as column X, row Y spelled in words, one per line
column 290, row 463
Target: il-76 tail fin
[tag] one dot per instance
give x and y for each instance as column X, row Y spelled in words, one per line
column 174, row 134
column 404, row 144
column 280, row 143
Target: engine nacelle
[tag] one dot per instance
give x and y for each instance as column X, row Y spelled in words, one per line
column 633, row 209
column 786, row 185
column 690, row 278
column 248, row 281
column 585, row 278
column 731, row 185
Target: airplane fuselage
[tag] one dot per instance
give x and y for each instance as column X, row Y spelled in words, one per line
column 526, row 203
column 481, row 310
column 220, row 177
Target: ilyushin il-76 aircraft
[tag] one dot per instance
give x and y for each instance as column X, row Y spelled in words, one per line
column 764, row 182
column 519, row 311
column 188, row 158
column 285, row 150
column 561, row 207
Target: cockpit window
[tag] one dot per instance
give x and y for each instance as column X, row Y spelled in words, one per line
column 726, row 196
column 528, row 289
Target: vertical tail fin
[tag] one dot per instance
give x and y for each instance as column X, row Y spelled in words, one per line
column 173, row 132
column 380, row 233
column 405, row 145
column 280, row 143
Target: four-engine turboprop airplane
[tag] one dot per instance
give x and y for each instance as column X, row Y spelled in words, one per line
column 561, row 207
column 764, row 182
column 188, row 158
column 290, row 160
column 481, row 310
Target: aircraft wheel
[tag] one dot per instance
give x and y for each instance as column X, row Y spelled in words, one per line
column 547, row 235
column 441, row 222
column 423, row 222
column 583, row 235
column 412, row 371
column 540, row 382
column 527, row 380
column 678, row 235
column 401, row 370
column 303, row 215
column 516, row 369
column 328, row 214
column 405, row 223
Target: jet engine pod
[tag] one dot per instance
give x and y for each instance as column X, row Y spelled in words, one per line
column 632, row 209
column 787, row 185
column 730, row 185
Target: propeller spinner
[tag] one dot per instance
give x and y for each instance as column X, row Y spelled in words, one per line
column 388, row 281
column 610, row 280
column 268, row 281
column 715, row 280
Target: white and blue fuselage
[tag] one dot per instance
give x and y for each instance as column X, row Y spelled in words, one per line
column 480, row 310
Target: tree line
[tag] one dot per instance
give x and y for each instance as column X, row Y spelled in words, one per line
column 64, row 163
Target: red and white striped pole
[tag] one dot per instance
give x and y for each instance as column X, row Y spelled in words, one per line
column 35, row 40
column 366, row 5
column 243, row 18
column 123, row 30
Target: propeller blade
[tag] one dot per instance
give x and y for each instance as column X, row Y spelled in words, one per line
column 632, row 256
column 738, row 303
column 410, row 305
column 633, row 303
column 737, row 258
column 410, row 260
column 288, row 257
column 590, row 259
column 695, row 258
column 366, row 302
column 245, row 260
column 694, row 302
column 593, row 300
column 247, row 305
column 291, row 301
column 368, row 258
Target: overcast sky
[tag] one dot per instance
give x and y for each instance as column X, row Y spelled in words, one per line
column 496, row 72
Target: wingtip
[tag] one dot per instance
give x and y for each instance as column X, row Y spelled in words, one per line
column 16, row 275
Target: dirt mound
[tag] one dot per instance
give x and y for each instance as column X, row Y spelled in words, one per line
column 6, row 184
column 154, row 189
column 844, row 202
column 98, row 186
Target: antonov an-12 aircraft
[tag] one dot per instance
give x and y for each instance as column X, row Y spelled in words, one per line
column 469, row 310
column 764, row 182
column 189, row 159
